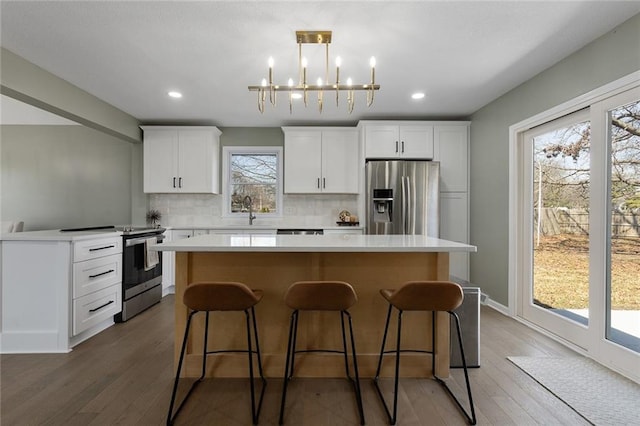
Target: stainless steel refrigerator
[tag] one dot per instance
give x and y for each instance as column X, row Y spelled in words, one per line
column 402, row 197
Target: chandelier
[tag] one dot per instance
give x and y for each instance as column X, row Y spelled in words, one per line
column 302, row 89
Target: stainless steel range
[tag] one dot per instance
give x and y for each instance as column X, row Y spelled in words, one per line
column 141, row 270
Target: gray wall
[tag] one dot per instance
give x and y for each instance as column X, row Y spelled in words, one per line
column 64, row 168
column 31, row 84
column 608, row 58
column 66, row 176
column 251, row 136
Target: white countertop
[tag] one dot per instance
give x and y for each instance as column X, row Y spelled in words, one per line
column 314, row 243
column 57, row 235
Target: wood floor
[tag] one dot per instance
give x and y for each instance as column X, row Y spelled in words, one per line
column 124, row 376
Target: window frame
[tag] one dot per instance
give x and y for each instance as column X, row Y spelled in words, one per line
column 227, row 154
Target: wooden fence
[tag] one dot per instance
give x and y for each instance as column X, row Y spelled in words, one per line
column 576, row 221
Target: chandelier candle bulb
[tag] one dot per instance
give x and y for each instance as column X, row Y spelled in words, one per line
column 290, row 84
column 304, row 71
column 349, row 96
column 272, row 92
column 372, row 62
column 338, row 63
column 320, row 95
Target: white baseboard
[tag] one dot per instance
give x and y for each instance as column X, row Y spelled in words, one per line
column 504, row 310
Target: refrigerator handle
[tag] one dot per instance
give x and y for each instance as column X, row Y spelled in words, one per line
column 408, row 206
column 405, row 203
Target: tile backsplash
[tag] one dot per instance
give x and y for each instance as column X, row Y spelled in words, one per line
column 203, row 210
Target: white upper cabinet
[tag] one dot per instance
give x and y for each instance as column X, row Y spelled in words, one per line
column 181, row 159
column 404, row 141
column 320, row 160
column 451, row 150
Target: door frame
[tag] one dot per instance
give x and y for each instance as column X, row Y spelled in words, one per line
column 605, row 352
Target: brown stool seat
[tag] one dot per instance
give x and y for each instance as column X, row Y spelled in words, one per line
column 221, row 296
column 433, row 296
column 335, row 296
column 320, row 296
column 425, row 296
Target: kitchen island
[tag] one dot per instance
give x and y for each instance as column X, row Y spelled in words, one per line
column 273, row 262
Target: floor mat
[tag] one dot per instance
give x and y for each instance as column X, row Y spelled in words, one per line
column 598, row 394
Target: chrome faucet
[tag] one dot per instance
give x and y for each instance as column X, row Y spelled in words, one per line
column 248, row 203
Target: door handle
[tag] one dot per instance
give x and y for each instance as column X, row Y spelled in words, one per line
column 403, row 147
column 318, row 183
column 324, row 183
column 174, row 181
column 180, row 182
column 396, row 146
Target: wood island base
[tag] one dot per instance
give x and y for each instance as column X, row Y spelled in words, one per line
column 274, row 272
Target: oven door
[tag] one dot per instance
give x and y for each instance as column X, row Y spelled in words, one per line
column 135, row 278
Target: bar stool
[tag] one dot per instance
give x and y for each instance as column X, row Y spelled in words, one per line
column 434, row 296
column 221, row 296
column 321, row 296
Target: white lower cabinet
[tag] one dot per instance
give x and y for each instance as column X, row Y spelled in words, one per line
column 97, row 282
column 169, row 259
column 454, row 226
column 91, row 309
column 58, row 293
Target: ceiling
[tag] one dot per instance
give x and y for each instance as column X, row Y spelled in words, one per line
column 461, row 54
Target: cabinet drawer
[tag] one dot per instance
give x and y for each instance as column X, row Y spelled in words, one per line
column 96, row 274
column 94, row 308
column 92, row 249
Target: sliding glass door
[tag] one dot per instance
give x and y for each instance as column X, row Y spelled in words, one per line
column 578, row 229
column 623, row 254
column 557, row 181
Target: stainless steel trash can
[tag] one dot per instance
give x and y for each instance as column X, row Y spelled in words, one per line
column 469, row 314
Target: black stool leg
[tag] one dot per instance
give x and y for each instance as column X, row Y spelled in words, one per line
column 171, row 416
column 384, row 341
column 288, row 367
column 471, row 418
column 392, row 417
column 355, row 366
column 255, row 413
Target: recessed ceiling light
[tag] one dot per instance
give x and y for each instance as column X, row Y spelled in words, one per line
column 418, row 95
column 174, row 94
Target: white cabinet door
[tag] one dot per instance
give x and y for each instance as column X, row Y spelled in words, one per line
column 169, row 259
column 454, row 226
column 303, row 161
column 381, row 141
column 340, row 161
column 181, row 159
column 197, row 159
column 160, row 151
column 404, row 141
column 451, row 150
column 321, row 160
column 416, row 141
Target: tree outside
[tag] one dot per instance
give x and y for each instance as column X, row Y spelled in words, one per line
column 561, row 214
column 254, row 175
